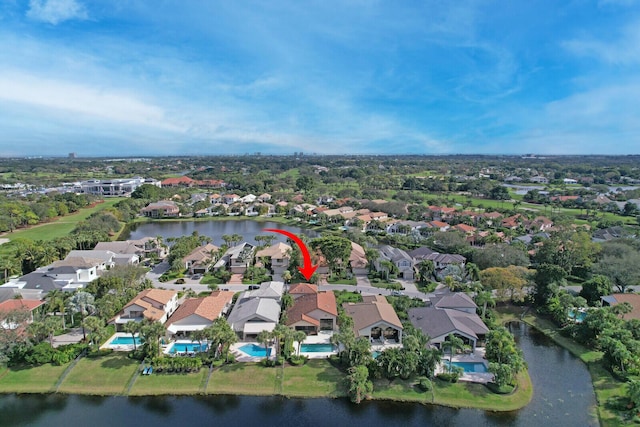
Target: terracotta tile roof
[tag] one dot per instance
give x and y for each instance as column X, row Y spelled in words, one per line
column 303, row 289
column 177, row 181
column 325, row 301
column 279, row 250
column 209, row 307
column 633, row 299
column 20, row 304
column 464, row 228
column 160, row 296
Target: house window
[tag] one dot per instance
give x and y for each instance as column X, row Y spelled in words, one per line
column 326, row 324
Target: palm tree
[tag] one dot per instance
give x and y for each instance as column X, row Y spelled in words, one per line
column 199, row 336
column 96, row 326
column 151, row 333
column 9, row 266
column 56, row 302
column 133, row 328
column 264, row 338
column 484, row 298
column 82, row 302
column 452, row 343
column 299, row 336
column 425, row 270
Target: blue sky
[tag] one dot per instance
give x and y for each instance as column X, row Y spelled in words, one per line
column 163, row 77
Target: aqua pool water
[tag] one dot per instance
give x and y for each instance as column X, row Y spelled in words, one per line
column 255, row 350
column 316, row 348
column 124, row 341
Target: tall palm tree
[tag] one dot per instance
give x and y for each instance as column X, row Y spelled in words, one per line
column 96, row 326
column 264, row 338
column 452, row 343
column 83, row 303
column 133, row 328
column 152, row 332
column 485, row 298
column 199, row 335
column 299, row 336
column 56, row 303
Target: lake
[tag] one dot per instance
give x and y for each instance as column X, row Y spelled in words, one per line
column 215, row 229
column 563, row 396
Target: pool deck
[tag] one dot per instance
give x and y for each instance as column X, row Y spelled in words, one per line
column 473, row 377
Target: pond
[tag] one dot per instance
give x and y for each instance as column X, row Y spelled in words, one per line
column 215, row 229
column 563, row 396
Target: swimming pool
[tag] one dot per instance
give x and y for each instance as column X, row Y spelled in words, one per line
column 122, row 340
column 469, row 366
column 316, row 348
column 255, row 350
column 375, row 354
column 187, row 347
column 578, row 316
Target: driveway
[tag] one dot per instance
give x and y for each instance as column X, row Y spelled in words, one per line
column 74, row 336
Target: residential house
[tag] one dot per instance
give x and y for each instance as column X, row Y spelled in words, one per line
column 265, row 197
column 230, row 198
column 277, row 257
column 199, row 260
column 103, row 260
column 375, row 319
column 440, row 261
column 630, row 298
column 538, row 179
column 12, row 305
column 215, row 199
column 237, row 258
column 154, row 304
column 195, row 314
column 250, row 316
column 358, row 260
column 438, row 226
column 465, row 229
column 300, row 289
column 161, row 209
column 405, row 227
column 440, row 213
column 268, row 290
column 249, row 198
column 450, row 314
column 399, row 258
column 142, row 247
column 539, row 223
column 313, row 312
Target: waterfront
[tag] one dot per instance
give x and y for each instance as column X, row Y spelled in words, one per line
column 563, row 395
column 215, row 229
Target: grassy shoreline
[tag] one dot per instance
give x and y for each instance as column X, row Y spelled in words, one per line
column 110, row 375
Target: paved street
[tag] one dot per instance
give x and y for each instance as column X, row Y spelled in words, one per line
column 363, row 285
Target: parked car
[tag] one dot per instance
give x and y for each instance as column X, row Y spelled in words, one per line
column 397, row 293
column 253, row 287
column 196, row 276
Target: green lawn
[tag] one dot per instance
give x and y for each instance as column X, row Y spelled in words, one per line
column 243, row 378
column 165, row 383
column 317, row 378
column 39, row 379
column 101, row 375
column 62, row 226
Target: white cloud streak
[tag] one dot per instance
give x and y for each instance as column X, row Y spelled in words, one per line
column 56, row 11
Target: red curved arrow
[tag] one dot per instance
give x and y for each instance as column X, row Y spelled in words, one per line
column 307, row 269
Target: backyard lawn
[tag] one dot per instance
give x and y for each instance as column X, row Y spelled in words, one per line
column 39, row 379
column 100, row 375
column 156, row 384
column 243, row 378
column 317, row 378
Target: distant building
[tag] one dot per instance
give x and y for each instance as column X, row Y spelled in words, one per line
column 115, row 187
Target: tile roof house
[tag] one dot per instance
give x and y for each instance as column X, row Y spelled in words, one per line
column 19, row 305
column 358, row 260
column 195, row 314
column 299, row 289
column 450, row 314
column 375, row 319
column 278, row 255
column 161, row 209
column 199, row 260
column 153, row 304
column 142, row 247
column 615, row 299
column 313, row 312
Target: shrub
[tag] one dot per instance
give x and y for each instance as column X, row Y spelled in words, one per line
column 40, row 354
column 424, row 384
column 449, row 377
column 180, row 281
column 298, row 360
column 100, row 353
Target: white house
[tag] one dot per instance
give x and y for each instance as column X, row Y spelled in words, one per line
column 153, row 304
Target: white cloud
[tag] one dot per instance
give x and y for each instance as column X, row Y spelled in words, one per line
column 63, row 96
column 56, row 11
column 624, row 50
